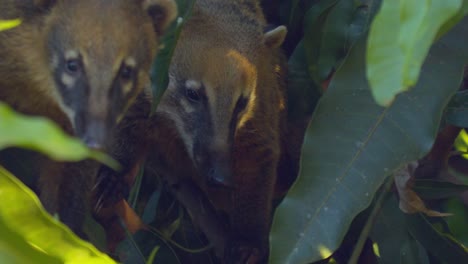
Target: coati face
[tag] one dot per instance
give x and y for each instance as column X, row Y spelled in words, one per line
column 211, row 94
column 99, row 54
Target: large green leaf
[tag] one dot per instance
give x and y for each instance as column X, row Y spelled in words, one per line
column 30, row 235
column 400, row 37
column 351, row 145
column 41, row 134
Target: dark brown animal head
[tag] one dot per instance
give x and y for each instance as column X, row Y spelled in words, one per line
column 99, row 53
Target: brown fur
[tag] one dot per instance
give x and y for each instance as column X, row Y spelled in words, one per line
column 104, row 33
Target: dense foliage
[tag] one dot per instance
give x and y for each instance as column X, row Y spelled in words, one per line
column 382, row 87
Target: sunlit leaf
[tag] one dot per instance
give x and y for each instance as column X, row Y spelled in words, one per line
column 43, row 135
column 400, row 37
column 351, row 145
column 35, row 231
column 461, row 143
column 9, row 24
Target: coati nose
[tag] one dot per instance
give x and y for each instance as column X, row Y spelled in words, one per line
column 220, row 176
column 93, row 144
column 95, row 135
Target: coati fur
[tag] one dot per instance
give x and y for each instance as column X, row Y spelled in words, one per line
column 81, row 64
column 220, row 121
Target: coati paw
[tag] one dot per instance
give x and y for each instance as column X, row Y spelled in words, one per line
column 108, row 190
column 240, row 252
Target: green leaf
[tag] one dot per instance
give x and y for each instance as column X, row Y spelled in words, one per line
column 330, row 28
column 324, row 32
column 9, row 24
column 457, row 110
column 439, row 244
column 432, row 189
column 303, row 93
column 41, row 134
column 152, row 255
column 457, row 222
column 160, row 69
column 400, row 37
column 350, row 147
column 28, row 232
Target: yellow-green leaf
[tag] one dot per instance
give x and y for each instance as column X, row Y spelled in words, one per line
column 399, row 40
column 30, row 235
column 41, row 134
column 9, row 24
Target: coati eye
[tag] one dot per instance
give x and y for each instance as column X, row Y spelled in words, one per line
column 192, row 94
column 126, row 73
column 72, row 66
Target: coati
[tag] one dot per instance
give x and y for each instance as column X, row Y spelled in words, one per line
column 81, row 64
column 219, row 121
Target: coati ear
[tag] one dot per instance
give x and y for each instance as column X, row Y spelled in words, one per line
column 162, row 12
column 274, row 38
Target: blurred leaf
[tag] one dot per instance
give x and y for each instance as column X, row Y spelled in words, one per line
column 440, row 245
column 31, row 229
column 160, row 69
column 392, row 237
column 458, row 222
column 400, row 37
column 350, row 147
column 457, row 111
column 432, row 189
column 9, row 24
column 41, row 134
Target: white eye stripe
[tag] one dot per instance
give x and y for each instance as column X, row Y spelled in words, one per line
column 67, row 80
column 130, row 62
column 193, row 84
column 71, row 54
